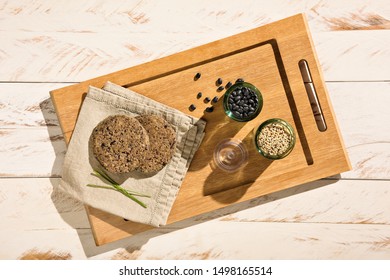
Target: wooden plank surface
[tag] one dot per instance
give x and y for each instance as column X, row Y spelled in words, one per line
column 88, row 39
column 76, row 50
column 345, row 226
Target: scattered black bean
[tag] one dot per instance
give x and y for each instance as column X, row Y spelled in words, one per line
column 240, row 80
column 207, row 100
column 220, row 88
column 228, row 85
column 243, row 102
column 192, row 107
column 199, row 95
column 218, row 82
column 215, row 99
column 209, row 109
column 197, row 76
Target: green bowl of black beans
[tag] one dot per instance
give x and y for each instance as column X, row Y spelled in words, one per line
column 242, row 102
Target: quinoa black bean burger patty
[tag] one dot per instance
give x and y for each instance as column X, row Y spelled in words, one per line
column 162, row 139
column 120, row 143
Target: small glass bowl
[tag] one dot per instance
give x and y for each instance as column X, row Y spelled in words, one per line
column 230, row 155
column 279, row 124
column 230, row 113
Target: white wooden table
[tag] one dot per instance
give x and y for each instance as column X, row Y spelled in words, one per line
column 49, row 44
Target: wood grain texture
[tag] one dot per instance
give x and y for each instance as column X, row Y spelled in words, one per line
column 339, row 226
column 28, row 119
column 216, row 240
column 148, row 16
column 37, row 204
column 63, row 57
column 219, row 240
column 37, row 244
column 79, row 44
column 361, row 110
column 27, row 105
column 20, row 159
column 347, row 56
column 323, row 201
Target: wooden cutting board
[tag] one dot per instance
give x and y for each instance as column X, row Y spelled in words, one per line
column 267, row 57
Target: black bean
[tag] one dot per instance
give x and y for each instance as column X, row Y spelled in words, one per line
column 209, row 109
column 218, row 82
column 228, row 85
column 199, row 95
column 197, row 76
column 215, row 99
column 192, row 107
column 240, row 80
column 221, row 88
column 207, row 100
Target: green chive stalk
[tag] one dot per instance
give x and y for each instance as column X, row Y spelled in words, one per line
column 115, row 186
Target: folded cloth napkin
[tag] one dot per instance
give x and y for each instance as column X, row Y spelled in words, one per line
column 162, row 187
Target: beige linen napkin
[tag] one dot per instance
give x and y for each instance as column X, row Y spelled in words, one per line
column 162, row 187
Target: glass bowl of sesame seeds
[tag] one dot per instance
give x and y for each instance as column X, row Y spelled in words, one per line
column 275, row 138
column 242, row 102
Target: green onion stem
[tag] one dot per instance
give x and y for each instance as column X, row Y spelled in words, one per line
column 115, row 186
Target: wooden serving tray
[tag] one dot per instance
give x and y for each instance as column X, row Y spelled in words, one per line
column 267, row 57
